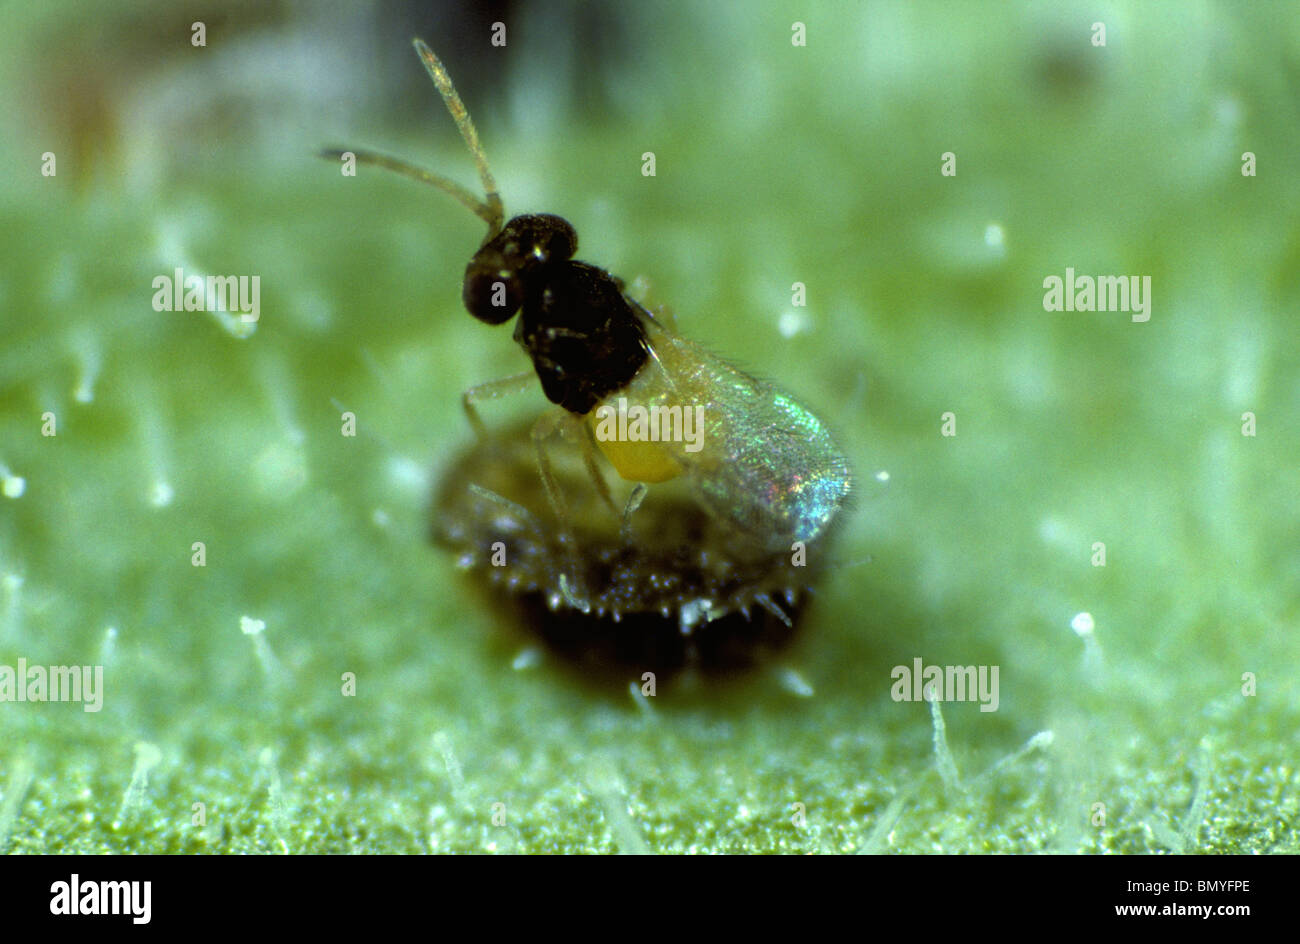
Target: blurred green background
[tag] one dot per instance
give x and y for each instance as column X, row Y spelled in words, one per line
column 776, row 164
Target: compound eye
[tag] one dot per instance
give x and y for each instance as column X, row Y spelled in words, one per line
column 491, row 293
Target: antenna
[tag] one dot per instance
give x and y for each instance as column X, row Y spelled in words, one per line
column 492, row 211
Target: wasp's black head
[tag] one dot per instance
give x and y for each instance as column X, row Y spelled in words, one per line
column 497, row 276
column 582, row 333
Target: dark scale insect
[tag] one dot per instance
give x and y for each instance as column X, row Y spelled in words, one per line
column 745, row 477
column 685, row 590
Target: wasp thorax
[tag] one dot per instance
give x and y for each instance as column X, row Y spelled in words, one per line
column 497, row 278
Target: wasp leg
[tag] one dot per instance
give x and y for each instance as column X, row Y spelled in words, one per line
column 633, row 503
column 571, row 584
column 492, row 390
column 593, row 470
column 546, row 426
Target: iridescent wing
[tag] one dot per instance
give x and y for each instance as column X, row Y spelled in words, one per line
column 759, row 458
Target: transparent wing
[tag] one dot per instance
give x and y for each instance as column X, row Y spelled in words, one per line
column 756, row 457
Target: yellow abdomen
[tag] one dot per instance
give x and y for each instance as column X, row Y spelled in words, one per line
column 638, row 461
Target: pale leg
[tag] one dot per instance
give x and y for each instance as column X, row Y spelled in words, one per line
column 633, row 503
column 492, row 390
column 593, row 470
column 571, row 584
column 546, row 426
